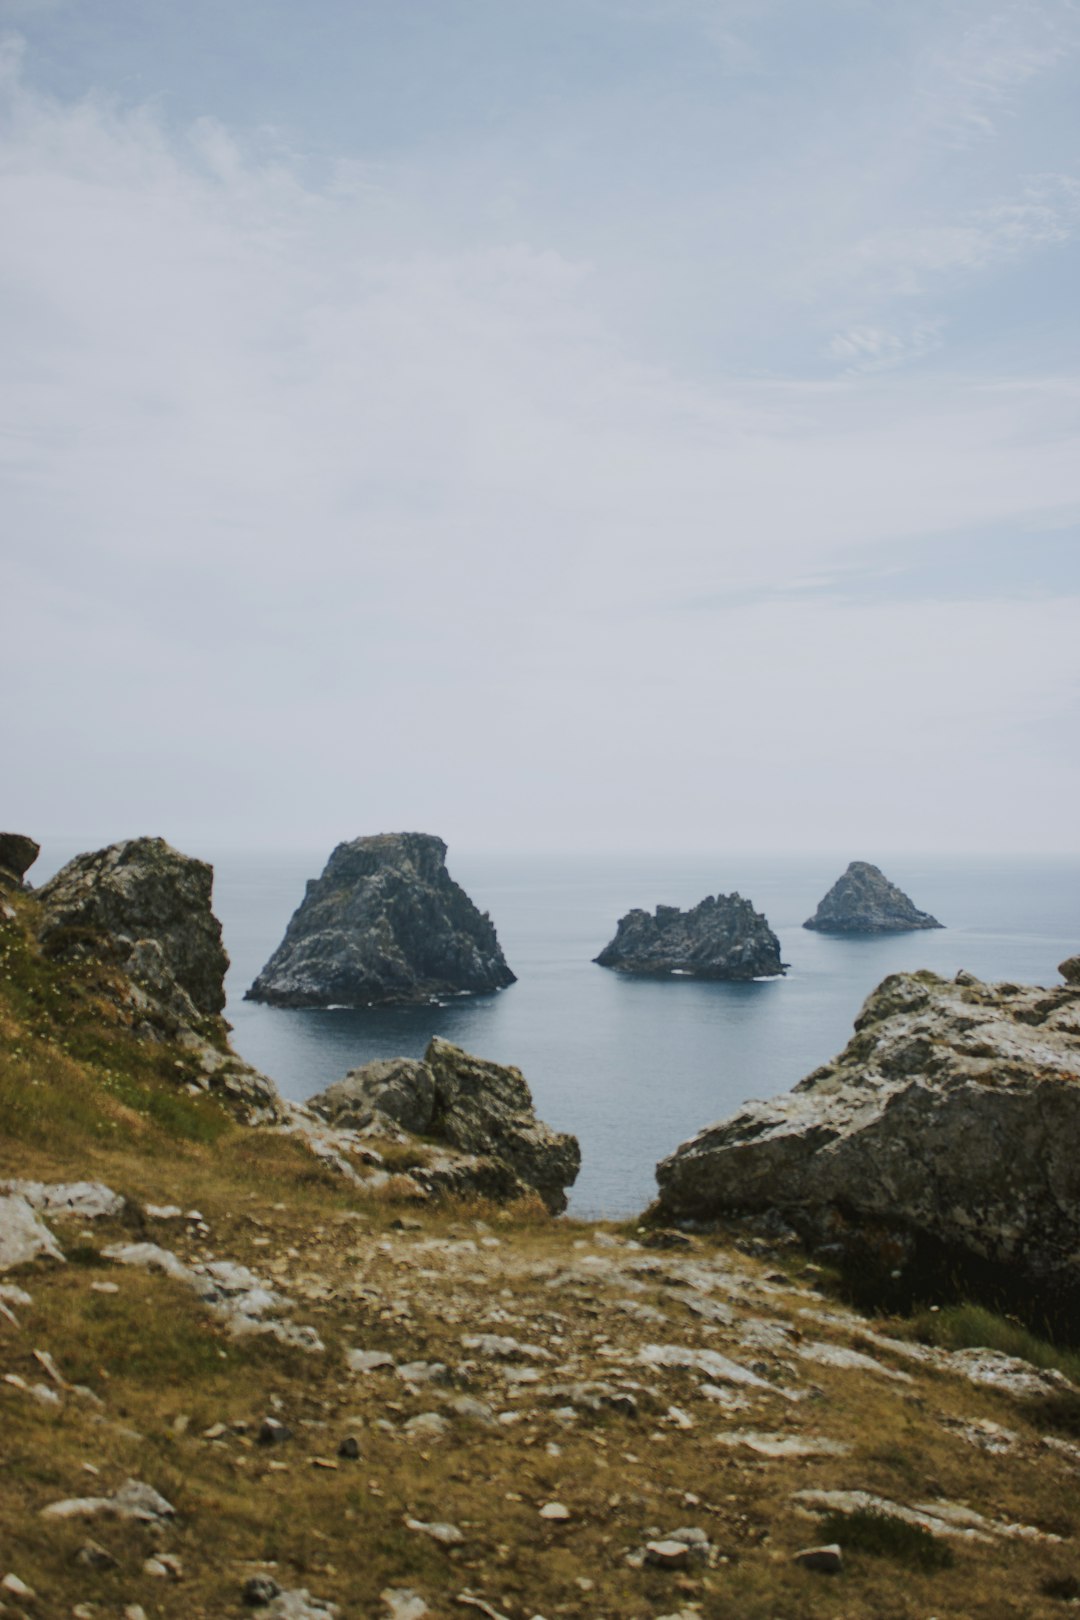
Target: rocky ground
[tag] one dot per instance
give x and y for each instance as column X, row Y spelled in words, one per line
column 243, row 1369
column 407, row 1412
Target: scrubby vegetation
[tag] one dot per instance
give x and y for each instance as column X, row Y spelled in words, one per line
column 170, row 1396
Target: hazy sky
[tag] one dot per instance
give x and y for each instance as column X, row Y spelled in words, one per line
column 548, row 423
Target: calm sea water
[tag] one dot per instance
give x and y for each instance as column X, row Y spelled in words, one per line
column 634, row 1067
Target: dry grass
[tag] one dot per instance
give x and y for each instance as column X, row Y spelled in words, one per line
column 166, row 1372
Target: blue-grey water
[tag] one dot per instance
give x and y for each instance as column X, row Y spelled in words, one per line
column 635, row 1066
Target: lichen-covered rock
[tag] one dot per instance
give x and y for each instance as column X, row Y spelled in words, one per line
column 722, row 938
column 400, row 1090
column 153, row 905
column 17, row 854
column 144, row 909
column 863, row 901
column 954, row 1114
column 486, row 1108
column 1070, row 970
column 483, row 1111
column 384, row 924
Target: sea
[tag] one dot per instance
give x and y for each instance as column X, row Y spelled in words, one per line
column 635, row 1066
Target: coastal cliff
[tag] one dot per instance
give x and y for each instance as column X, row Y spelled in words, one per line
column 233, row 1354
column 947, row 1125
column 385, row 924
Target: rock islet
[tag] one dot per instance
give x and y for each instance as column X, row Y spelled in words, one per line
column 385, row 924
column 864, row 901
column 722, row 937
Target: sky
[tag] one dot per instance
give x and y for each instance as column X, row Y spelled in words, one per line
column 553, row 424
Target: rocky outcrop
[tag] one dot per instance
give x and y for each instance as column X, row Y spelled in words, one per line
column 722, row 938
column 863, row 901
column 397, row 1091
column 951, row 1119
column 152, row 905
column 23, row 1237
column 17, row 854
column 484, row 1111
column 384, row 924
column 144, row 909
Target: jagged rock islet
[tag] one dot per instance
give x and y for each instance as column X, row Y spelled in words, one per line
column 863, row 901
column 484, row 1111
column 951, row 1116
column 721, row 938
column 384, row 924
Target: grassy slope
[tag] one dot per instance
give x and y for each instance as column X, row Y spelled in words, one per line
column 79, row 1099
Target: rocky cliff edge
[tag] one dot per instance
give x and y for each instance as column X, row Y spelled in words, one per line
column 952, row 1116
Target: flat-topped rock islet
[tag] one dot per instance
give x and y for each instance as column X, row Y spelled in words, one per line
column 721, row 938
column 385, row 924
column 863, row 901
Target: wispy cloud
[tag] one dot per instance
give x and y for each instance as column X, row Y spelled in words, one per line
column 355, row 494
column 975, row 81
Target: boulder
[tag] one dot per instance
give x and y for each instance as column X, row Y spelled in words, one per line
column 23, row 1237
column 143, row 908
column 152, row 905
column 721, row 938
column 863, row 901
column 483, row 1111
column 384, row 924
column 950, row 1120
column 17, row 854
column 400, row 1090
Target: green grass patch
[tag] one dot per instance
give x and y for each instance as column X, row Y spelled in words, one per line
column 882, row 1535
column 972, row 1327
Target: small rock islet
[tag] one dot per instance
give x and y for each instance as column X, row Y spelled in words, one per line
column 723, row 937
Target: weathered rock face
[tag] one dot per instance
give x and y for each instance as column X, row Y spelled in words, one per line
column 722, row 938
column 482, row 1110
column 953, row 1114
column 399, row 1090
column 144, row 908
column 863, row 901
column 153, row 905
column 17, row 854
column 384, row 923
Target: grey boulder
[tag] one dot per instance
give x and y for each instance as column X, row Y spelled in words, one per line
column 143, row 909
column 400, row 1090
column 953, row 1114
column 151, row 906
column 23, row 1237
column 484, row 1111
column 17, row 854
